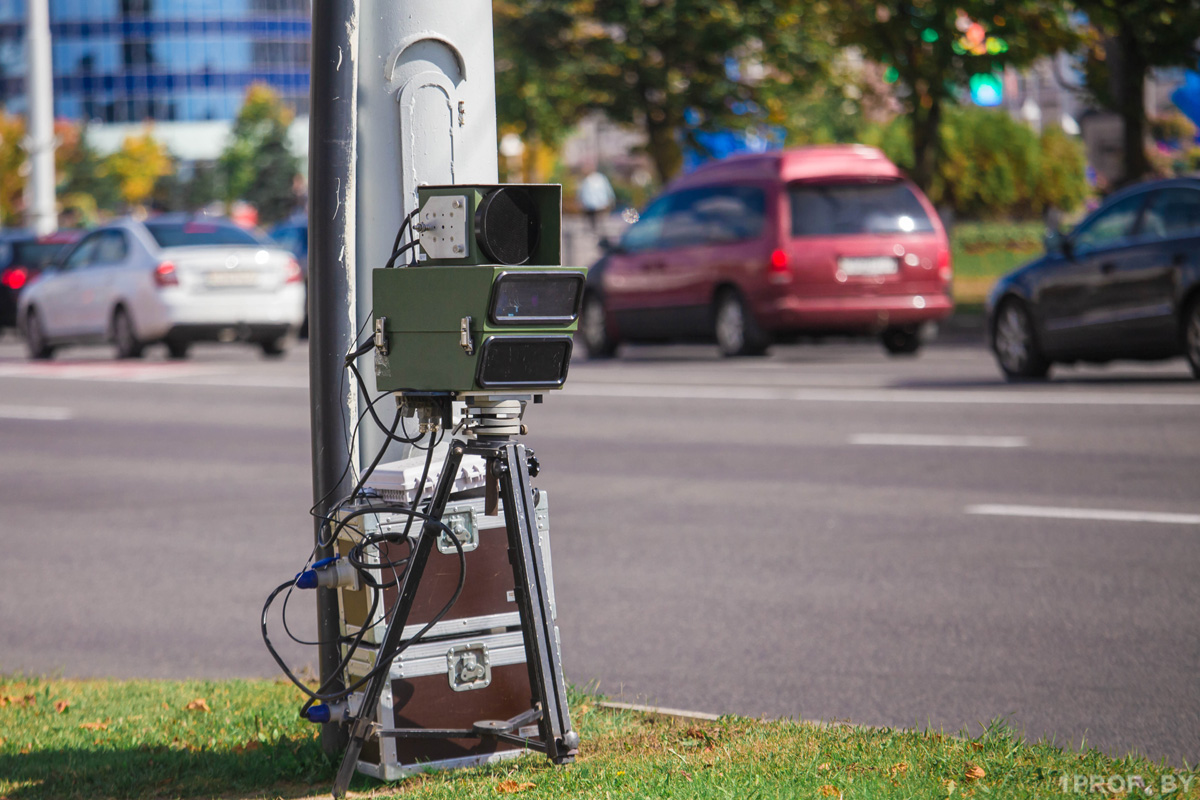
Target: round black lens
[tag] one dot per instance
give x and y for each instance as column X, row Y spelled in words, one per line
column 507, row 226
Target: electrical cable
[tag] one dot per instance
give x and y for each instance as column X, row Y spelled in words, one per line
column 391, row 262
column 383, row 660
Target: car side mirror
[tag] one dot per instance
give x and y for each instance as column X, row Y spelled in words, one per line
column 1057, row 243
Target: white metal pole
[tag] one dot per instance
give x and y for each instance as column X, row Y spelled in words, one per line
column 41, row 216
column 426, row 115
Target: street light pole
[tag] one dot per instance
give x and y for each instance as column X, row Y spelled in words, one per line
column 331, row 290
column 41, row 215
column 426, row 115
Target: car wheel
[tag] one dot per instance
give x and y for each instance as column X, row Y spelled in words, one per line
column 178, row 348
column 594, row 327
column 273, row 348
column 901, row 341
column 124, row 335
column 35, row 337
column 735, row 328
column 1191, row 335
column 1015, row 345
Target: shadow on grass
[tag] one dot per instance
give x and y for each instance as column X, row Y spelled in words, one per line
column 287, row 768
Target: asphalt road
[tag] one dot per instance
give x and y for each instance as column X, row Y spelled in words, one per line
column 825, row 533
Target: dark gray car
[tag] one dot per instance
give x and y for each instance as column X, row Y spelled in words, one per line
column 1124, row 284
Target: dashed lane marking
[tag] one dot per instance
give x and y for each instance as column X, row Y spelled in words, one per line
column 937, row 440
column 1090, row 514
column 47, row 413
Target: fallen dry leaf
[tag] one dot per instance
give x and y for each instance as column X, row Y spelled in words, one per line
column 976, row 745
column 512, row 787
column 61, row 705
column 248, row 747
column 949, row 786
column 27, row 749
column 973, row 773
column 199, row 704
column 899, row 769
column 95, row 726
column 28, row 700
column 829, row 791
column 583, row 710
column 823, row 767
column 5, row 699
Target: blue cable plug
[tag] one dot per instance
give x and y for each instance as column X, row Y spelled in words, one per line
column 308, row 578
column 317, row 714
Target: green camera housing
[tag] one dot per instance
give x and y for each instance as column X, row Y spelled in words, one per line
column 488, row 309
column 452, row 329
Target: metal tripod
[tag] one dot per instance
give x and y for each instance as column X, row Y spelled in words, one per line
column 508, row 465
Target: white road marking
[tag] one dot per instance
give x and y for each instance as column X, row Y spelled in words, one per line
column 937, row 440
column 48, row 413
column 1051, row 397
column 1092, row 514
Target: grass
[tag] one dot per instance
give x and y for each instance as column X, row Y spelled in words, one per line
column 142, row 739
column 982, row 252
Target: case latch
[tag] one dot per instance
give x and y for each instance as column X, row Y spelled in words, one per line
column 462, row 523
column 468, row 667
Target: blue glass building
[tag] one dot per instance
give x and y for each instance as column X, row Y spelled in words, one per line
column 169, row 60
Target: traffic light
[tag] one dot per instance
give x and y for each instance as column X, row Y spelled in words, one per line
column 488, row 308
column 986, row 89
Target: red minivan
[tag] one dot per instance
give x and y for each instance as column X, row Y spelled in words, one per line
column 757, row 248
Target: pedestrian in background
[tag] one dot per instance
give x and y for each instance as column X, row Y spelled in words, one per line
column 595, row 196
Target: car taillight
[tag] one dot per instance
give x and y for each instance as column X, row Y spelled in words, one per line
column 165, row 275
column 15, row 278
column 294, row 275
column 943, row 266
column 779, row 271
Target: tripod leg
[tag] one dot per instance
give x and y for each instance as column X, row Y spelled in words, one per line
column 533, row 599
column 361, row 727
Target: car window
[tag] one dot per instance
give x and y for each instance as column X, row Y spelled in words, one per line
column 82, row 255
column 646, row 233
column 714, row 214
column 192, row 233
column 846, row 209
column 1109, row 226
column 34, row 253
column 110, row 248
column 1172, row 212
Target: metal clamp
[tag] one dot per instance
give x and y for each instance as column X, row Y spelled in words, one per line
column 464, row 336
column 381, row 338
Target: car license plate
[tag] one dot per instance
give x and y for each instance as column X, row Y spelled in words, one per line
column 228, row 278
column 870, row 266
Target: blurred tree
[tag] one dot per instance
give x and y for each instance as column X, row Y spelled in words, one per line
column 678, row 66
column 933, row 48
column 137, row 166
column 13, row 169
column 1129, row 38
column 541, row 85
column 83, row 182
column 992, row 166
column 258, row 165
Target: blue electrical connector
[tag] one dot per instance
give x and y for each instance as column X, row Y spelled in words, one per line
column 309, row 579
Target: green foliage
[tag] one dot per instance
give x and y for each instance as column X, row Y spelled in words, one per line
column 84, row 185
column 923, row 44
column 541, row 85
column 12, row 168
column 993, row 166
column 257, row 165
column 654, row 64
column 137, row 167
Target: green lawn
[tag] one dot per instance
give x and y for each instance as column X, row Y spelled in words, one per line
column 981, row 252
column 243, row 739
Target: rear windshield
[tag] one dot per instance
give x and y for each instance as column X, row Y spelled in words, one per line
column 841, row 209
column 190, row 234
